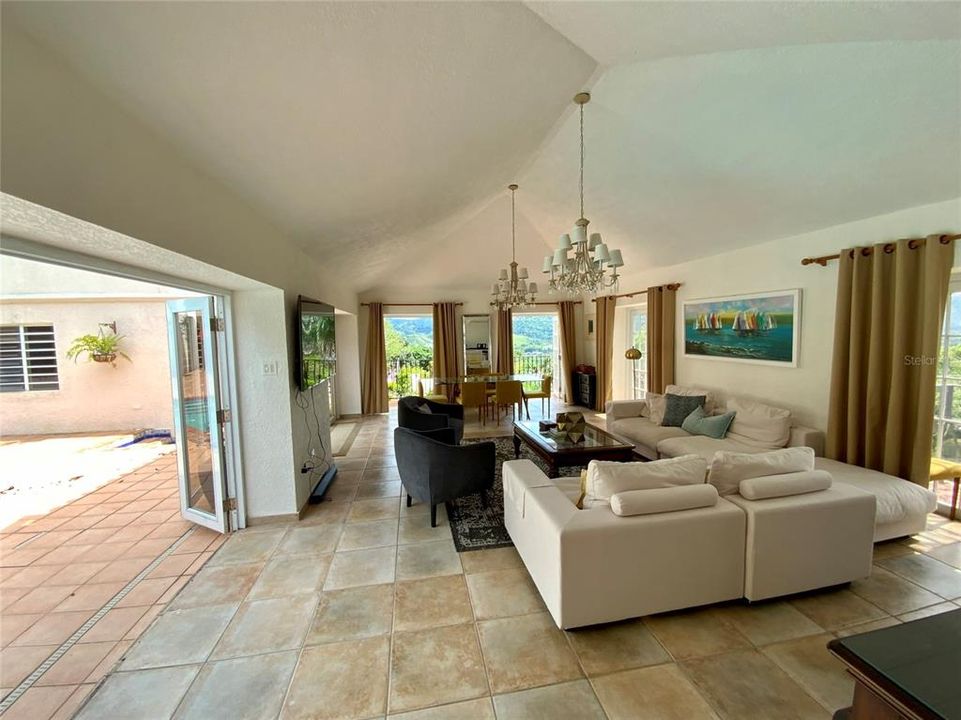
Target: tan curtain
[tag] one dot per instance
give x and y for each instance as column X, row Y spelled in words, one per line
column 568, row 331
column 661, row 307
column 373, row 389
column 504, row 362
column 446, row 350
column 604, row 335
column 890, row 306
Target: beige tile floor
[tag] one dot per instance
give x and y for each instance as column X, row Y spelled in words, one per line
column 362, row 610
column 58, row 570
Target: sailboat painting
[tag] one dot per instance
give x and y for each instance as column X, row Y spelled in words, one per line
column 757, row 328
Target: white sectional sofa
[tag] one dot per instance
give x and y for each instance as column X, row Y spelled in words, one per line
column 591, row 566
column 902, row 506
column 606, row 563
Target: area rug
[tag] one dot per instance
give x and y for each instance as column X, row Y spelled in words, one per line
column 342, row 436
column 475, row 527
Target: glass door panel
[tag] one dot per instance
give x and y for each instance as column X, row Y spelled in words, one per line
column 196, row 391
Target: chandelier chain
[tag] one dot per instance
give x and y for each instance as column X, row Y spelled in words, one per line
column 581, row 186
column 513, row 242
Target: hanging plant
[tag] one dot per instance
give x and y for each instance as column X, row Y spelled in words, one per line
column 99, row 348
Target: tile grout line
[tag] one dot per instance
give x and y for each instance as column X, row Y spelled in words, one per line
column 39, row 672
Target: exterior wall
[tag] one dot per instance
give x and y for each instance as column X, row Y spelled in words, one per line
column 94, row 397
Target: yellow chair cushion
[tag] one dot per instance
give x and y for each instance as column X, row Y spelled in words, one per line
column 944, row 469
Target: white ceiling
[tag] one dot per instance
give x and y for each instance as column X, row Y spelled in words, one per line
column 382, row 135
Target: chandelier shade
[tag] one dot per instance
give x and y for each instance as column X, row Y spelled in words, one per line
column 512, row 288
column 585, row 270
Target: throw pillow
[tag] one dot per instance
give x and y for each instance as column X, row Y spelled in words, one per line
column 605, row 479
column 424, row 408
column 679, row 407
column 656, row 405
column 759, row 425
column 662, row 500
column 709, row 404
column 775, row 486
column 729, row 468
column 580, row 500
column 712, row 426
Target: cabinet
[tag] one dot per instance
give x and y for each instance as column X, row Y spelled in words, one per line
column 585, row 389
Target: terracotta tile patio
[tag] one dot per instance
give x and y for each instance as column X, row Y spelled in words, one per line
column 60, row 570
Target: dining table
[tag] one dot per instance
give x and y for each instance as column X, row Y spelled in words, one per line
column 450, row 383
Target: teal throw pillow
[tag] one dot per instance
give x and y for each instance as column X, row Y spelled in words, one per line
column 713, row 426
column 678, row 407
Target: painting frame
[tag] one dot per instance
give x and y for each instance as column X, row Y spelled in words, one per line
column 726, row 304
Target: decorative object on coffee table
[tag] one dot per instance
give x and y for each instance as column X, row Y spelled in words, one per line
column 571, row 426
column 555, row 451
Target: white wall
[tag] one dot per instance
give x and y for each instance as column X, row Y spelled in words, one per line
column 348, row 363
column 777, row 266
column 69, row 147
column 95, row 397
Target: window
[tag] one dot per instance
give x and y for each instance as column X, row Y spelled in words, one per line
column 535, row 343
column 637, row 334
column 28, row 358
column 946, row 442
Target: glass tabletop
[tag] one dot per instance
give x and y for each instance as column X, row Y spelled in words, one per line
column 461, row 379
column 594, row 438
column 918, row 663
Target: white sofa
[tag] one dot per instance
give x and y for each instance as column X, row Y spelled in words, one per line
column 592, row 566
column 902, row 506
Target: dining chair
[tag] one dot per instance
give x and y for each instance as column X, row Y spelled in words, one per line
column 544, row 392
column 433, row 397
column 508, row 392
column 474, row 394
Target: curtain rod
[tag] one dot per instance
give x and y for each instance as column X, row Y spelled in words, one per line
column 913, row 243
column 576, row 302
column 367, row 304
column 669, row 286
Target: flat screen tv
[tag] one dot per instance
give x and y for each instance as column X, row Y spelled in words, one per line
column 317, row 349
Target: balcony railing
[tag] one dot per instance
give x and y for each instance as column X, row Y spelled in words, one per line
column 402, row 377
column 542, row 363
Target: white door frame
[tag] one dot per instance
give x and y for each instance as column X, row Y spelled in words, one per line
column 30, row 250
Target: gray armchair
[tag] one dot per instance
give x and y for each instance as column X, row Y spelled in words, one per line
column 441, row 415
column 434, row 470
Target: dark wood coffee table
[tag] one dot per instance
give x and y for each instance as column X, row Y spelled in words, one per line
column 910, row 671
column 596, row 445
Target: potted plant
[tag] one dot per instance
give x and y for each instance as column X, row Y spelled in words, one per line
column 99, row 348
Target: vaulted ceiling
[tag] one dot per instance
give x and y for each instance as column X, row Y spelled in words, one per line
column 381, row 136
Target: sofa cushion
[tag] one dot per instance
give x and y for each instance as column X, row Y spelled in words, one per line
column 656, row 405
column 759, row 425
column 709, row 398
column 728, row 469
column 570, row 486
column 661, row 500
column 712, row 426
column 679, row 407
column 700, row 445
column 774, row 486
column 605, row 479
column 644, row 433
column 897, row 500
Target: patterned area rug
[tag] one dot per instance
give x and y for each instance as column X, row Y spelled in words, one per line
column 475, row 527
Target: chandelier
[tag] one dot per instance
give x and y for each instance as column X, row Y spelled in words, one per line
column 586, row 269
column 512, row 289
